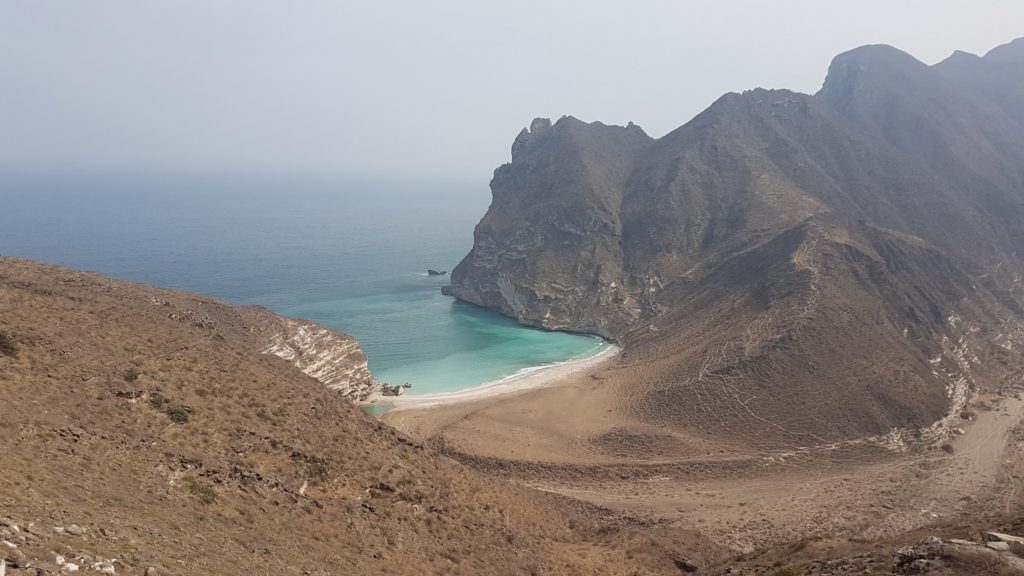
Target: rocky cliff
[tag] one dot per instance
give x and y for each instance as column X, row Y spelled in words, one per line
column 549, row 251
column 332, row 358
column 745, row 253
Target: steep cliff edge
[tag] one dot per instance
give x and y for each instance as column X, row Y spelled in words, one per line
column 901, row 184
column 549, row 250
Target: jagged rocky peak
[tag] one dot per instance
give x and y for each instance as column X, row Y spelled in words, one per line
column 539, row 124
column 536, row 127
column 542, row 130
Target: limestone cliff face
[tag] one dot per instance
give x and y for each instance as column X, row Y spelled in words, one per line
column 549, row 250
column 333, row 358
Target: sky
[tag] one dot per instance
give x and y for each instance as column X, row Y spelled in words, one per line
column 414, row 90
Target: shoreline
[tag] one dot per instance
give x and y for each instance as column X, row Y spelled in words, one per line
column 526, row 379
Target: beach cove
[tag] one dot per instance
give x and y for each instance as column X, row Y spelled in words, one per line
column 525, row 379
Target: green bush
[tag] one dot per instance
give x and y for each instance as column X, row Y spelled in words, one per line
column 177, row 414
column 157, row 400
column 7, row 345
column 205, row 494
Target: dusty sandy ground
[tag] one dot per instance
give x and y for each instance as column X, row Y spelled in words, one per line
column 575, row 439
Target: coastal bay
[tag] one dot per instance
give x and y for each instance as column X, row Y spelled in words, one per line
column 343, row 253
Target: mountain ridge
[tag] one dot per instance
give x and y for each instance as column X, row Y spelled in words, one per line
column 898, row 159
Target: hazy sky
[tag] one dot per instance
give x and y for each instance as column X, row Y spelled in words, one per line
column 411, row 89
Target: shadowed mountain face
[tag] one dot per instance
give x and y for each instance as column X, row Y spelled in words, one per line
column 827, row 266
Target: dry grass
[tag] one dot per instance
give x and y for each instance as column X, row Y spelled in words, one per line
column 87, row 440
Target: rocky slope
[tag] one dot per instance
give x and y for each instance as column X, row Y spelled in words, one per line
column 784, row 267
column 146, row 431
column 332, row 358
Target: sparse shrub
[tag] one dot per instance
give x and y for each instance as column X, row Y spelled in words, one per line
column 177, row 414
column 788, row 570
column 7, row 345
column 157, row 400
column 317, row 471
column 968, row 414
column 205, row 494
column 132, row 374
column 947, row 448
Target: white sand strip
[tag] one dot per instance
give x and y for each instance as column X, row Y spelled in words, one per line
column 533, row 378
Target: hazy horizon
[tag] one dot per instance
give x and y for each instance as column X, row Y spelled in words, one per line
column 408, row 92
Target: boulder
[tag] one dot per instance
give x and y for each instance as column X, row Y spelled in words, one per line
column 1000, row 537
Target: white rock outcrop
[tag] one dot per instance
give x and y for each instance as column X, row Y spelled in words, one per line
column 333, row 358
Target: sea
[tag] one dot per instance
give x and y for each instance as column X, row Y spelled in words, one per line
column 349, row 253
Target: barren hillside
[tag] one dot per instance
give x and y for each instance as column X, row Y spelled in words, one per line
column 146, row 430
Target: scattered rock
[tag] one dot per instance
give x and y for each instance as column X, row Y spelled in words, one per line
column 955, row 556
column 104, row 566
column 436, row 273
column 75, row 530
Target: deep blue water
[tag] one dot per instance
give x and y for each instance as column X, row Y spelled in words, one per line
column 349, row 254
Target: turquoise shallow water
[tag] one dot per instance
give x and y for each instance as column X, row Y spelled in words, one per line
column 439, row 344
column 351, row 255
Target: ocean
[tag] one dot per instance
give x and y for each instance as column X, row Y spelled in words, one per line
column 350, row 254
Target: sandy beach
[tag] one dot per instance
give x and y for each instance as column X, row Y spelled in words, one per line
column 536, row 378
